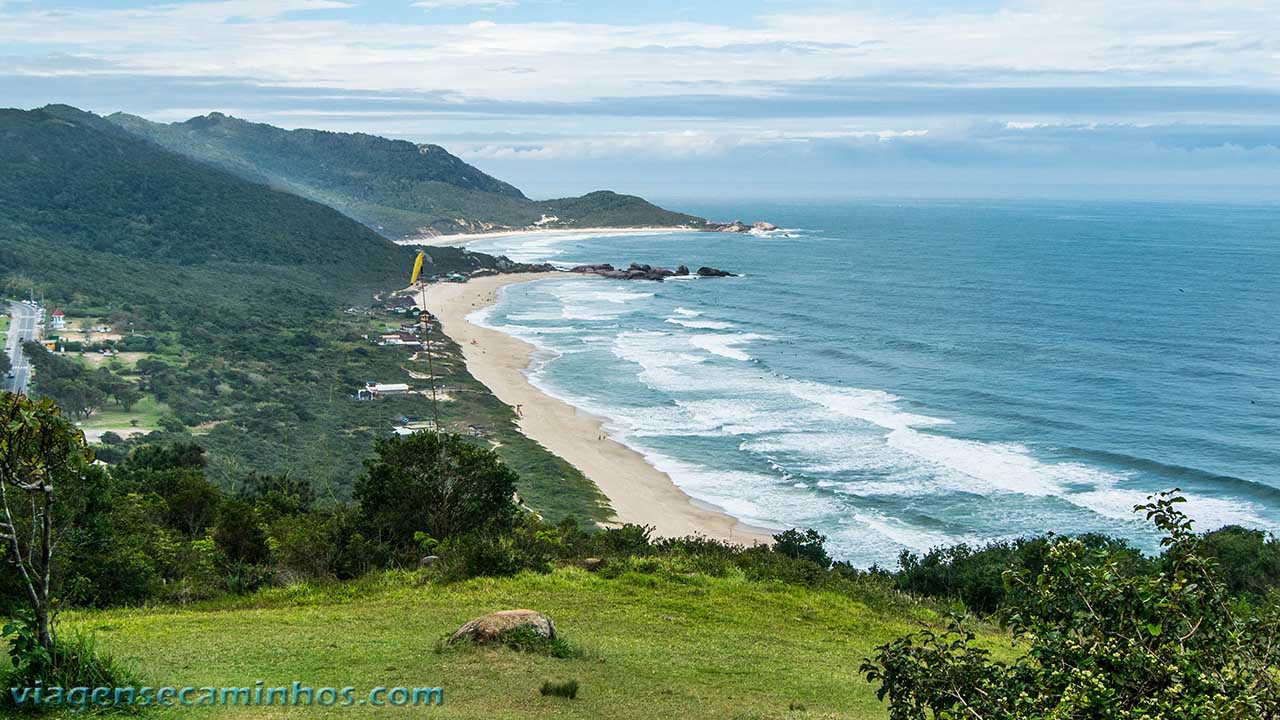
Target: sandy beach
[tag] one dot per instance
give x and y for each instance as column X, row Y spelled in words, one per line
column 467, row 238
column 638, row 492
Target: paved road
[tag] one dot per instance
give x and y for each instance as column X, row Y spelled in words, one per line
column 23, row 327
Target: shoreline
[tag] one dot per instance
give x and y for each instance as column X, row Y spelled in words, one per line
column 638, row 492
column 462, row 239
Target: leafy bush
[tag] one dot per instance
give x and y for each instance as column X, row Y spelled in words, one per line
column 1170, row 642
column 1248, row 560
column 975, row 575
column 803, row 545
column 238, row 535
column 73, row 662
column 443, row 485
column 623, row 541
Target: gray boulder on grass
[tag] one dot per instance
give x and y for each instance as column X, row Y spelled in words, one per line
column 490, row 628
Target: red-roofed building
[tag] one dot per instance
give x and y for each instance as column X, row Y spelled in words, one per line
column 59, row 320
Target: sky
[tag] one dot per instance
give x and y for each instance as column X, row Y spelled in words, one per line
column 789, row 99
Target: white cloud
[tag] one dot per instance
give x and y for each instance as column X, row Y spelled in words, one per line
column 437, row 4
column 1028, row 42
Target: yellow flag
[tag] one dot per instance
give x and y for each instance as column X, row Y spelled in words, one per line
column 417, row 267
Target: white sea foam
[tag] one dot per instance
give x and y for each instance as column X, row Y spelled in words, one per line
column 726, row 345
column 533, row 316
column 702, row 324
column 686, row 312
column 906, row 535
column 579, row 303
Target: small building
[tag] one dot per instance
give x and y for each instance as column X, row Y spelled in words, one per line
column 401, row 339
column 374, row 390
column 59, row 321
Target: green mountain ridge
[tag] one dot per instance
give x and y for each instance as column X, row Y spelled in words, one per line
column 396, row 187
column 248, row 310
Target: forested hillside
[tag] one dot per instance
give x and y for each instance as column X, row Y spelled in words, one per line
column 394, row 186
column 242, row 311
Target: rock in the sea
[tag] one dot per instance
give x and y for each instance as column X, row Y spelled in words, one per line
column 682, row 271
column 634, row 271
column 737, row 226
column 506, row 265
column 713, row 272
column 490, row 628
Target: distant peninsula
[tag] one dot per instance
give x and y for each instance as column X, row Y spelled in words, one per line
column 397, row 188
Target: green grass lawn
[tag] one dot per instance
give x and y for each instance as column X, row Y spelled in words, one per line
column 656, row 646
column 147, row 413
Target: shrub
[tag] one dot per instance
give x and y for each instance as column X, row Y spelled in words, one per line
column 238, row 535
column 1248, row 560
column 765, row 564
column 442, row 485
column 526, row 639
column 479, row 554
column 567, row 689
column 73, row 662
column 803, row 545
column 623, row 541
column 1102, row 642
column 975, row 575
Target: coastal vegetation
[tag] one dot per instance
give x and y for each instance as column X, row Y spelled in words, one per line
column 434, row 535
column 394, row 186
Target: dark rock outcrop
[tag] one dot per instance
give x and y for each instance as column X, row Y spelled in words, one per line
column 737, row 226
column 503, row 264
column 639, row 271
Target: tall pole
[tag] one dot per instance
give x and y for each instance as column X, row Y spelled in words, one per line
column 431, row 364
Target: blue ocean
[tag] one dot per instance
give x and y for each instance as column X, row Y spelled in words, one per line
column 909, row 375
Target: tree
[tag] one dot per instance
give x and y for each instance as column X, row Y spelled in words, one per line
column 803, row 545
column 1165, row 642
column 176, row 474
column 442, row 485
column 238, row 535
column 1248, row 560
column 5, row 363
column 39, row 449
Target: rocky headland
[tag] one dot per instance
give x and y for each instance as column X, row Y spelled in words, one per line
column 737, row 226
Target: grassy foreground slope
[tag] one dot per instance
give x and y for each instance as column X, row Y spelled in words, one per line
column 656, row 645
column 394, row 186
